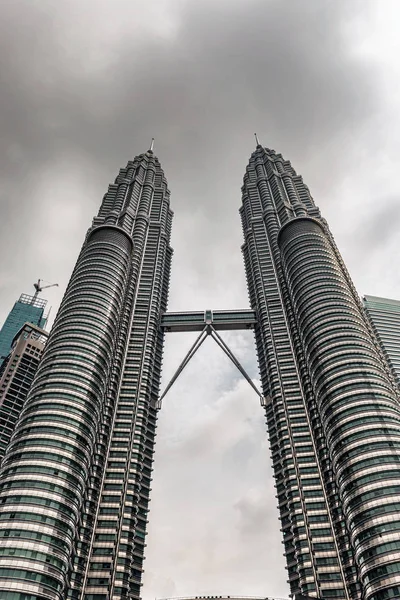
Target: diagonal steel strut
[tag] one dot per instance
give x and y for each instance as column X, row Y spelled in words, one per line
column 185, row 361
column 218, row 339
column 208, row 331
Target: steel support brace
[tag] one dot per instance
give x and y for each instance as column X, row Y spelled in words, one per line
column 218, row 339
column 209, row 331
column 183, row 364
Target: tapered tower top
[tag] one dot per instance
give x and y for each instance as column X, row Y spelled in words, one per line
column 285, row 192
column 131, row 191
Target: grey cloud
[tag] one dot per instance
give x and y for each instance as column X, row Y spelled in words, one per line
column 253, row 513
column 221, row 498
column 375, row 247
column 383, row 224
column 223, row 72
column 202, row 89
column 228, row 70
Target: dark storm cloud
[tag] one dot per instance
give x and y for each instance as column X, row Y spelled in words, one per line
column 226, row 62
column 90, row 94
column 228, row 68
column 85, row 84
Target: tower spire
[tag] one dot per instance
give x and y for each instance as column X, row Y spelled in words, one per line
column 257, row 142
column 151, row 145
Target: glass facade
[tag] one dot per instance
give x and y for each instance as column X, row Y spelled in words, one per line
column 332, row 404
column 75, row 480
column 27, row 309
column 16, row 376
column 384, row 315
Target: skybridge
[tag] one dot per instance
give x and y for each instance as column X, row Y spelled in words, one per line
column 221, row 320
column 209, row 323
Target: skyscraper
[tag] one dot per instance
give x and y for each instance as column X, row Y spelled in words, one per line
column 16, row 376
column 28, row 309
column 385, row 318
column 75, row 480
column 332, row 403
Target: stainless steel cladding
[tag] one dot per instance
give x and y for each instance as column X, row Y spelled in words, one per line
column 75, row 480
column 332, row 401
column 356, row 398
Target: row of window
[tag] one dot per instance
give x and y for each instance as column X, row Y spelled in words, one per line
column 382, row 571
column 383, row 509
column 377, row 530
column 390, row 593
column 34, row 555
column 368, row 462
column 34, row 535
column 34, row 517
column 386, row 490
column 77, row 452
column 41, row 485
column 380, row 549
column 39, row 501
column 380, row 475
column 10, row 574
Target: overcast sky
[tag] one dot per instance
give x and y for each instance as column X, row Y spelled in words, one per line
column 85, row 84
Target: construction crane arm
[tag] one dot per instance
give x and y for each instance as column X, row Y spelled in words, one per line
column 39, row 288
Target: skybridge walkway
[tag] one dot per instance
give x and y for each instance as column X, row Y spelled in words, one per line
column 209, row 323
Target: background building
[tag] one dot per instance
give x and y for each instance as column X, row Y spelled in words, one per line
column 385, row 319
column 16, row 376
column 28, row 309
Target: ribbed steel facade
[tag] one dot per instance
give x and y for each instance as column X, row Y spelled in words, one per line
column 75, row 481
column 332, row 403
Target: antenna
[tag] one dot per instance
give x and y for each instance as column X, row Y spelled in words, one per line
column 152, row 145
column 257, row 142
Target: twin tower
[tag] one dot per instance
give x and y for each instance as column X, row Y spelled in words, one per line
column 75, row 480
